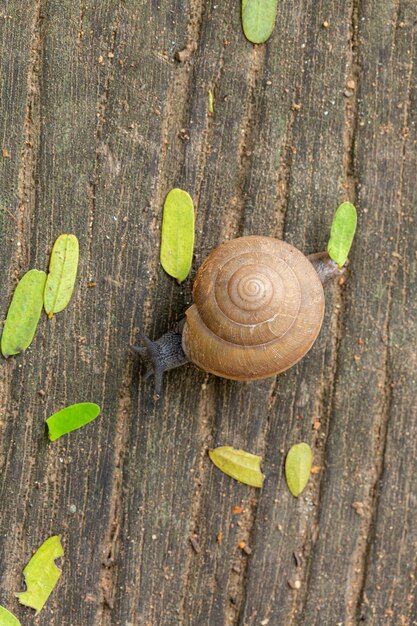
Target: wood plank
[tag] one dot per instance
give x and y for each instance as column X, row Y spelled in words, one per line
column 57, row 488
column 140, row 155
column 279, row 145
column 389, row 593
column 18, row 29
column 285, row 529
column 356, row 448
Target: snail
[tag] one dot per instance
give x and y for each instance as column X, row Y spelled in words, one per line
column 258, row 306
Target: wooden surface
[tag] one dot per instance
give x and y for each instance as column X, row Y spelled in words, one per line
column 99, row 121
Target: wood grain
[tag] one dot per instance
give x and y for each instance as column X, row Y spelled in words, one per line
column 99, row 120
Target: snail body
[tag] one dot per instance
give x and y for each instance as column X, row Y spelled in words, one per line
column 258, row 306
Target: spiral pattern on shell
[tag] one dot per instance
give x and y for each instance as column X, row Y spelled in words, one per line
column 258, row 307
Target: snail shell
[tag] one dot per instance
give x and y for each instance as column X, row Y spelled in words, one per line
column 258, row 308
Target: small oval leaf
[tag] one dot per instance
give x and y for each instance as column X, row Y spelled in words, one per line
column 210, row 102
column 71, row 418
column 41, row 574
column 7, row 618
column 258, row 19
column 240, row 465
column 177, row 239
column 342, row 233
column 297, row 467
column 23, row 314
column 63, row 267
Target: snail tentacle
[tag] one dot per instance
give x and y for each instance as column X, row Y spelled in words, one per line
column 325, row 267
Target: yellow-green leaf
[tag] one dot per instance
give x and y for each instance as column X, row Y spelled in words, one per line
column 7, row 618
column 297, row 467
column 23, row 314
column 240, row 465
column 63, row 267
column 258, row 19
column 210, row 102
column 41, row 574
column 72, row 417
column 177, row 240
column 342, row 233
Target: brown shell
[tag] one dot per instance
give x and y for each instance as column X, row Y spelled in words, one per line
column 258, row 308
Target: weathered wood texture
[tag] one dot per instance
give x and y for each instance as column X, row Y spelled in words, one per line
column 98, row 121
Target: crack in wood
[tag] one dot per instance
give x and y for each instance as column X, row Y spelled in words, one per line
column 29, row 155
column 101, row 120
column 207, row 133
column 112, row 541
column 198, row 141
column 207, row 439
column 241, row 563
column 323, row 408
column 238, row 216
column 108, row 575
column 238, row 583
column 176, row 111
column 351, row 105
column 284, row 177
column 83, row 10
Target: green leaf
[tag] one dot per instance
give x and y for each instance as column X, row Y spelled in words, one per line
column 342, row 233
column 23, row 314
column 177, row 241
column 7, row 618
column 72, row 417
column 62, row 273
column 258, row 19
column 41, row 574
column 210, row 102
column 297, row 467
column 240, row 465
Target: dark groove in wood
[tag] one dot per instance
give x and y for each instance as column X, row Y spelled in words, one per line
column 101, row 121
column 247, row 144
column 197, row 499
column 28, row 166
column 351, row 107
column 111, row 555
